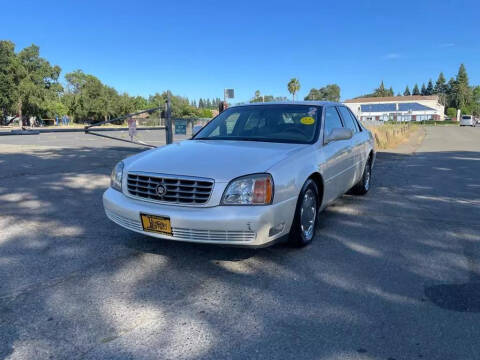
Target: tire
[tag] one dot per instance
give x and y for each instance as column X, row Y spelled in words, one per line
column 365, row 183
column 307, row 207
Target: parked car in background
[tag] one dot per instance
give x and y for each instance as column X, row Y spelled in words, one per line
column 253, row 175
column 468, row 120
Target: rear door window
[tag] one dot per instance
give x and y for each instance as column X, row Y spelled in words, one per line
column 355, row 120
column 350, row 122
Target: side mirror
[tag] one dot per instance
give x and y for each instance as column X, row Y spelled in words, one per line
column 196, row 129
column 339, row 134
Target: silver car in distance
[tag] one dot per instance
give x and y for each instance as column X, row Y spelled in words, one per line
column 468, row 120
column 254, row 174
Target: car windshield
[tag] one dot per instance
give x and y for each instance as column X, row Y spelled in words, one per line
column 272, row 123
column 466, row 117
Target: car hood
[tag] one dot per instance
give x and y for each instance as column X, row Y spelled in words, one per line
column 221, row 160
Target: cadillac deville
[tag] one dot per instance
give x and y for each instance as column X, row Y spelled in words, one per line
column 253, row 175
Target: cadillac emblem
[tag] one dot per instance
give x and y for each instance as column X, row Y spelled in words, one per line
column 161, row 190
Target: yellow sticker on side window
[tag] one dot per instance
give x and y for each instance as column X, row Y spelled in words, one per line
column 307, row 120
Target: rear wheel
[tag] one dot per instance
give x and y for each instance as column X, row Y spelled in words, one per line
column 364, row 185
column 305, row 221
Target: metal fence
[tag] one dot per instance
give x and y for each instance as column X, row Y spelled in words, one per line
column 148, row 131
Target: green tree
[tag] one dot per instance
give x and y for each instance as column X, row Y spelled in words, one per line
column 407, row 91
column 204, row 113
column 55, row 107
column 8, row 81
column 36, row 82
column 462, row 76
column 381, row 91
column 330, row 92
column 415, row 91
column 140, row 103
column 125, row 105
column 476, row 101
column 313, row 94
column 293, row 87
column 257, row 97
column 429, row 90
column 441, row 89
column 90, row 100
column 111, row 99
column 450, row 92
column 440, row 85
column 461, row 90
column 262, row 98
column 423, row 92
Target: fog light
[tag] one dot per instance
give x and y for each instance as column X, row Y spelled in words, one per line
column 276, row 229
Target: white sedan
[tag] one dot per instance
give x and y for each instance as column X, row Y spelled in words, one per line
column 253, row 175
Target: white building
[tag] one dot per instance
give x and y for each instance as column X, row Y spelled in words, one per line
column 397, row 108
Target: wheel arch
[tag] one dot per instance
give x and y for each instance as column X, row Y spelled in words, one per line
column 318, row 179
column 371, row 157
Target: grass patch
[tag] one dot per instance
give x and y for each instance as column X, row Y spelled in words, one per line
column 390, row 135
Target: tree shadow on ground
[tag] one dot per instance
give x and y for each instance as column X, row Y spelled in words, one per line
column 74, row 285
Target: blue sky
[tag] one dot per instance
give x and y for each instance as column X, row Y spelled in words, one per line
column 197, row 48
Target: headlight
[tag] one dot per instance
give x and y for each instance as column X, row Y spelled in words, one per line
column 254, row 189
column 116, row 176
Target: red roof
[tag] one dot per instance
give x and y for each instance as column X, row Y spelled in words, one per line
column 391, row 98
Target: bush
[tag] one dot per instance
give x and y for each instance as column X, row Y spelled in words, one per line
column 451, row 112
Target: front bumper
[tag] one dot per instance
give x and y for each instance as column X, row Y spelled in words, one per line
column 227, row 225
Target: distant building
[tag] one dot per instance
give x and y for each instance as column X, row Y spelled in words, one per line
column 397, row 108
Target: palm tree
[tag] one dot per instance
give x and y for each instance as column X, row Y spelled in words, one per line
column 293, row 87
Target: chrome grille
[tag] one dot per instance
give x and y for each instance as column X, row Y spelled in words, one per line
column 178, row 190
column 213, row 235
column 187, row 234
column 134, row 225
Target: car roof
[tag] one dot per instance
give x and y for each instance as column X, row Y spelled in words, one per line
column 310, row 103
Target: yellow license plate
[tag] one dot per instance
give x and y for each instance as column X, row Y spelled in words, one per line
column 156, row 224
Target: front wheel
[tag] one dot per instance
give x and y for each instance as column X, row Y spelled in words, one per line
column 304, row 224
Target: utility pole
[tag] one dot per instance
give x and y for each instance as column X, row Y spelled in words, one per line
column 168, row 120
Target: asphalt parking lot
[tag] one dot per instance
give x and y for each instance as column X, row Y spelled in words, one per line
column 393, row 275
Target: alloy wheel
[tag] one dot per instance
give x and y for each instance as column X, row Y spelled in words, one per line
column 308, row 214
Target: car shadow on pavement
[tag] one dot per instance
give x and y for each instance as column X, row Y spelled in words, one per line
column 74, row 285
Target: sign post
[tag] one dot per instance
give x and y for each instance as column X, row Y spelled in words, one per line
column 168, row 121
column 228, row 94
